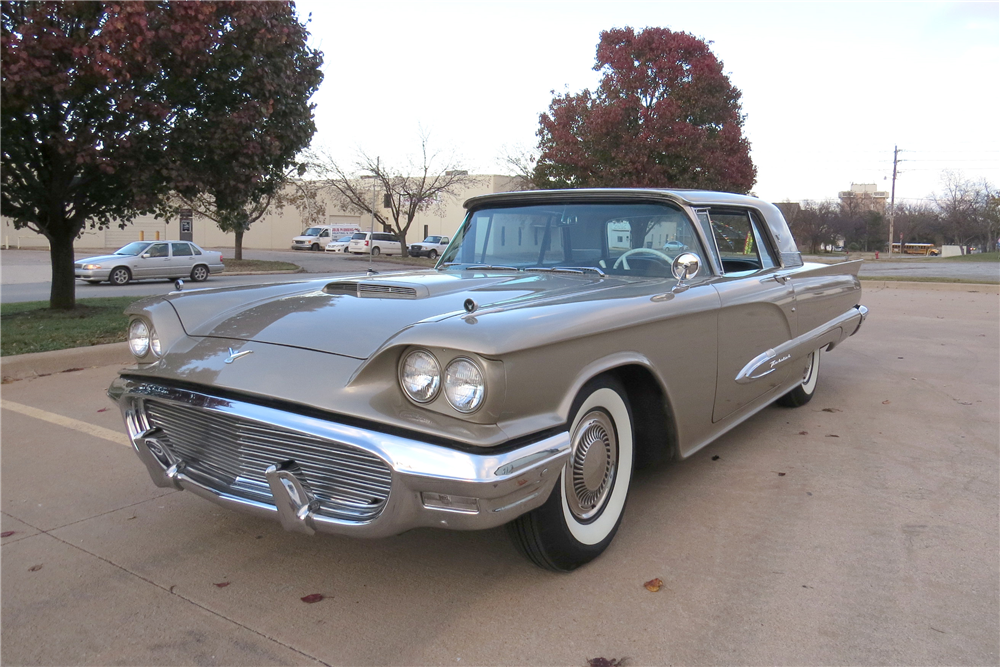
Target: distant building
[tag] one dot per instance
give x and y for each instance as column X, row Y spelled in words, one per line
column 272, row 232
column 864, row 197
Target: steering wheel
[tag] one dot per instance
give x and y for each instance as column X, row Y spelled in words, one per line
column 622, row 261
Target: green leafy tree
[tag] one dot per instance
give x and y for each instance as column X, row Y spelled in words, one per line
column 664, row 115
column 109, row 107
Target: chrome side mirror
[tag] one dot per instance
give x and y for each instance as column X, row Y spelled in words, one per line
column 685, row 265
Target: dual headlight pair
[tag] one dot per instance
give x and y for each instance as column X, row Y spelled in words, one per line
column 142, row 338
column 463, row 380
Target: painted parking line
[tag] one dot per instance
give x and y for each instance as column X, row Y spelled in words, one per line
column 67, row 422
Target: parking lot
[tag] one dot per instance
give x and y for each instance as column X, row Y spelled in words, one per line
column 861, row 528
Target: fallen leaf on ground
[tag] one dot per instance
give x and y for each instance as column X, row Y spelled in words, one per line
column 7, row 533
column 803, row 432
column 653, row 585
column 716, row 457
column 222, row 585
column 315, row 597
column 781, row 474
column 886, row 402
column 832, row 410
column 103, row 410
column 606, row 662
column 34, row 568
column 832, row 435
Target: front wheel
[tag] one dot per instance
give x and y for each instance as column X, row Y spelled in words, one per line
column 803, row 393
column 314, row 247
column 580, row 518
column 120, row 276
column 432, row 254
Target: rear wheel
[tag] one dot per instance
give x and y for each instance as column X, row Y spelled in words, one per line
column 375, row 251
column 120, row 276
column 803, row 393
column 199, row 274
column 580, row 518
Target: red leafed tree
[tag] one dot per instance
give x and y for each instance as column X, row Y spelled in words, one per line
column 664, row 115
column 107, row 107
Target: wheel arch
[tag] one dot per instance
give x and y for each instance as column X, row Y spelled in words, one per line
column 652, row 411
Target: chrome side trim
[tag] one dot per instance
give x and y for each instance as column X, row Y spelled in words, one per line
column 506, row 484
column 829, row 334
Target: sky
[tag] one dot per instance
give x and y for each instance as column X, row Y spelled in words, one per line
column 829, row 88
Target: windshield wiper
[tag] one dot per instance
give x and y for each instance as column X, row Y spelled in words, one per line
column 567, row 269
column 491, row 267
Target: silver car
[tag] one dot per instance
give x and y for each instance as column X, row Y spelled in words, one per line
column 140, row 260
column 563, row 339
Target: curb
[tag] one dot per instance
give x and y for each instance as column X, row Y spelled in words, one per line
column 39, row 364
column 986, row 288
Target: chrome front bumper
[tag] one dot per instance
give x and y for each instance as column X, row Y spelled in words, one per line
column 431, row 485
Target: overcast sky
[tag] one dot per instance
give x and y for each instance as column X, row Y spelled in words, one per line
column 828, row 87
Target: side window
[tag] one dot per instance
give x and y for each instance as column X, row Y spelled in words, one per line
column 181, row 249
column 741, row 243
column 325, row 234
column 158, row 250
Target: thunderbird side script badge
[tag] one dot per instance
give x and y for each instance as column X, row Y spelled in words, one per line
column 233, row 356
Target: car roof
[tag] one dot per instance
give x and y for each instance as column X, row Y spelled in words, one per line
column 693, row 198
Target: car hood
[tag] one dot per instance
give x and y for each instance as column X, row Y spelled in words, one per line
column 355, row 316
column 105, row 258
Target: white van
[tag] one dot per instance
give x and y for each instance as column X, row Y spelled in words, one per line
column 314, row 238
column 374, row 243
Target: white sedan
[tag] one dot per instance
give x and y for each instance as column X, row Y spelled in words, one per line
column 340, row 245
column 151, row 259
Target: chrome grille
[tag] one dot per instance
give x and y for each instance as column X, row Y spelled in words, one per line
column 386, row 290
column 371, row 290
column 231, row 453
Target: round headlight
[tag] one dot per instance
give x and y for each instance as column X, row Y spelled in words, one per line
column 420, row 376
column 464, row 385
column 138, row 338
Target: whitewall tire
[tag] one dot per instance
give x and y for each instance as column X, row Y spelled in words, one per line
column 804, row 392
column 580, row 518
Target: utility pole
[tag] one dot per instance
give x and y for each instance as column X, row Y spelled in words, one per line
column 892, row 200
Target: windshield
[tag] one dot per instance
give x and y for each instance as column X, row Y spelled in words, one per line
column 432, row 239
column 615, row 238
column 360, row 236
column 134, row 248
column 343, row 239
column 312, row 231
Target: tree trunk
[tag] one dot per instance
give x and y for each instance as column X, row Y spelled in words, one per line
column 238, row 250
column 404, row 251
column 63, row 293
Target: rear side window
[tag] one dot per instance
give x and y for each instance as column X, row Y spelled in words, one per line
column 181, row 249
column 742, row 246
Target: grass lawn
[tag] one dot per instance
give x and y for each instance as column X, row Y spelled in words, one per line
column 236, row 265
column 978, row 257
column 32, row 327
column 928, row 279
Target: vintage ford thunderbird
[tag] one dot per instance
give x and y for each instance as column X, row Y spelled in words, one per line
column 562, row 339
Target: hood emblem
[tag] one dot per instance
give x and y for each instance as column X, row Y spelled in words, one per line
column 233, row 356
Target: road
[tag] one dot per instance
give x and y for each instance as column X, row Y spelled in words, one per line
column 859, row 529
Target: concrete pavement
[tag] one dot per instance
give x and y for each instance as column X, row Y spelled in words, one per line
column 879, row 544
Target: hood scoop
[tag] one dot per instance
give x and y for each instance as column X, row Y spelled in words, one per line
column 376, row 289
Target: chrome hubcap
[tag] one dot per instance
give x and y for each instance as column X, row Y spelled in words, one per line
column 591, row 469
